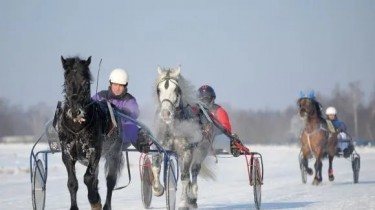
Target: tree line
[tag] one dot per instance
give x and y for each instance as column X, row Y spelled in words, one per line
column 254, row 127
column 280, row 127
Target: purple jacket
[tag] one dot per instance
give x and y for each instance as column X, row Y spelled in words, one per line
column 127, row 104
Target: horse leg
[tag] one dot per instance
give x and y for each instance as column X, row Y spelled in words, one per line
column 195, row 168
column 157, row 187
column 72, row 180
column 330, row 170
column 331, row 154
column 199, row 154
column 305, row 163
column 91, row 181
column 186, row 159
column 318, row 171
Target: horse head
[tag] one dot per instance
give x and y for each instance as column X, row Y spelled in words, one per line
column 168, row 92
column 77, row 80
column 307, row 107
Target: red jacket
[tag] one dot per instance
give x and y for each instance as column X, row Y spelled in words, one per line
column 221, row 115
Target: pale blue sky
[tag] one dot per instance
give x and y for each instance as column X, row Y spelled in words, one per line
column 256, row 54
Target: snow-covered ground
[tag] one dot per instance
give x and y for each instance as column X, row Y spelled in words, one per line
column 282, row 187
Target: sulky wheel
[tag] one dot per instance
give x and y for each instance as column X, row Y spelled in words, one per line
column 146, row 182
column 38, row 186
column 171, row 185
column 257, row 183
column 356, row 164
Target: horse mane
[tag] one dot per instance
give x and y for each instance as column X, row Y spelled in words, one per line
column 188, row 90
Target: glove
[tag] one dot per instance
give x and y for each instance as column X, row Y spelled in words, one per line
column 143, row 144
column 233, row 146
column 143, row 147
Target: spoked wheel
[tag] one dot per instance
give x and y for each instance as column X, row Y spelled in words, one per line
column 38, row 187
column 356, row 164
column 302, row 168
column 171, row 185
column 257, row 183
column 146, row 182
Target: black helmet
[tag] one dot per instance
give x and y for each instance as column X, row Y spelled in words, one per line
column 206, row 94
column 206, row 91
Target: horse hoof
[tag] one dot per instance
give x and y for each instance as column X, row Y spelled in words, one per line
column 158, row 191
column 331, row 177
column 96, row 206
column 309, row 171
column 316, row 182
column 193, row 203
column 183, row 205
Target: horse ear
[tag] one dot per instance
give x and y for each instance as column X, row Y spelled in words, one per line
column 301, row 94
column 63, row 61
column 176, row 72
column 159, row 70
column 88, row 61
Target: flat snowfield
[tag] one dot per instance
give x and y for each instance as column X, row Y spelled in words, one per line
column 282, row 189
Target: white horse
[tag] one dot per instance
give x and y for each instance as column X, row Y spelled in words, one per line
column 179, row 129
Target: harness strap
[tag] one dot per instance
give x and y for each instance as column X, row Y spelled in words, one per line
column 113, row 120
column 330, row 125
column 312, row 133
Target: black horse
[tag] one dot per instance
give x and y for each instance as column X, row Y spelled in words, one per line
column 84, row 135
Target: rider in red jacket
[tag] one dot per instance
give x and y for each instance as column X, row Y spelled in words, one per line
column 207, row 96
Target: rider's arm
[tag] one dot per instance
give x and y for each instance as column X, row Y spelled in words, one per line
column 223, row 118
column 342, row 126
column 130, row 107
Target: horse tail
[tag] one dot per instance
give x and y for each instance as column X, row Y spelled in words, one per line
column 114, row 164
column 114, row 160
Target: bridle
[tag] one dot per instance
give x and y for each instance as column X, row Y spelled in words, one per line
column 81, row 108
column 308, row 110
column 176, row 104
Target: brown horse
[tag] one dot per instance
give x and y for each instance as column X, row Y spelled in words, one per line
column 316, row 139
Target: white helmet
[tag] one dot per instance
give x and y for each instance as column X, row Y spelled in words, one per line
column 118, row 76
column 331, row 111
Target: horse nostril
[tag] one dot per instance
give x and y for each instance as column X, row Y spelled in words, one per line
column 165, row 113
column 74, row 97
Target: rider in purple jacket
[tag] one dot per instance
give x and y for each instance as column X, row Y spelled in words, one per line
column 118, row 95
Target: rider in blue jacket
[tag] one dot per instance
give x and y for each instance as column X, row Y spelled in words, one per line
column 117, row 94
column 346, row 147
column 331, row 113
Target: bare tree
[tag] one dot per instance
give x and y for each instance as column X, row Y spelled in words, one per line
column 356, row 95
